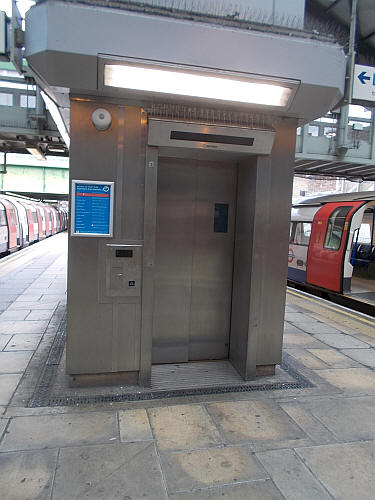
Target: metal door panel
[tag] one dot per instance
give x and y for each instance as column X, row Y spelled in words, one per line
column 212, row 264
column 174, row 229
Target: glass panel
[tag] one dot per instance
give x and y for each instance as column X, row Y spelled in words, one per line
column 364, row 234
column 301, row 234
column 359, row 112
column 3, row 220
column 6, row 99
column 335, row 228
column 221, row 218
column 28, row 101
column 313, row 130
column 330, row 132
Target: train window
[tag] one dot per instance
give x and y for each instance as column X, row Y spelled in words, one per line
column 3, row 219
column 13, row 218
column 300, row 234
column 364, row 234
column 335, row 228
column 35, row 218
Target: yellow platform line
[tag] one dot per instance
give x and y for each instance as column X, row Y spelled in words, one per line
column 336, row 309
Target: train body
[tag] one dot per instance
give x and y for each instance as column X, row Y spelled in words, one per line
column 332, row 240
column 24, row 222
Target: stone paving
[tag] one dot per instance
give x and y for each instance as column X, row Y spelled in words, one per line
column 313, row 443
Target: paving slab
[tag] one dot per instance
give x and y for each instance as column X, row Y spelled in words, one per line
column 316, row 327
column 255, row 490
column 4, row 339
column 364, row 356
column 52, row 298
column 38, row 432
column 14, row 362
column 348, row 419
column 8, row 384
column 4, row 305
column 39, row 315
column 33, row 305
column 291, row 476
column 134, row 426
column 346, row 470
column 261, row 423
column 183, row 427
column 18, row 314
column 304, row 418
column 341, row 341
column 210, row 467
column 334, row 358
column 350, row 380
column 23, row 342
column 3, row 424
column 365, row 338
column 29, row 297
column 301, row 340
column 12, row 327
column 306, row 358
column 27, row 475
column 300, row 317
column 289, row 328
column 127, row 471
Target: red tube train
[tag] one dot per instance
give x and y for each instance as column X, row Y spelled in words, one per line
column 23, row 222
column 332, row 242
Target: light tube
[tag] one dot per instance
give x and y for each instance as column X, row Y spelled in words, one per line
column 195, row 85
column 56, row 116
column 36, row 152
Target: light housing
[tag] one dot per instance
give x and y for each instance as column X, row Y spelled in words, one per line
column 242, row 89
column 35, row 151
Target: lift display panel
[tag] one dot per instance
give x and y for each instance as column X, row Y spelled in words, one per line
column 92, row 208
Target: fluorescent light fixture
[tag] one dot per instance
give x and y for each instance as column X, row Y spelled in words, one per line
column 35, row 151
column 15, row 85
column 56, row 149
column 186, row 83
column 55, row 113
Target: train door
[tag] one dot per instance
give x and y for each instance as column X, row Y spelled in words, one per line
column 194, row 260
column 48, row 220
column 41, row 221
column 14, row 239
column 24, row 224
column 34, row 216
column 3, row 230
column 30, row 222
column 328, row 243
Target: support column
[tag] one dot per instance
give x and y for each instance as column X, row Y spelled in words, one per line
column 262, row 234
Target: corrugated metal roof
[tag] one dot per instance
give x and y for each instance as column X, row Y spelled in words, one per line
column 356, row 171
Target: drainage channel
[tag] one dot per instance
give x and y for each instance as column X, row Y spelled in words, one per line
column 44, row 395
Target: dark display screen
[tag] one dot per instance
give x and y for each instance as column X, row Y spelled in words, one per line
column 124, row 253
column 219, row 139
column 221, row 218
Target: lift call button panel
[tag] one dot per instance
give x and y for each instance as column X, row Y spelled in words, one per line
column 123, row 270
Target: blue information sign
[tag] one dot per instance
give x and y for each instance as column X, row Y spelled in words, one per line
column 92, row 207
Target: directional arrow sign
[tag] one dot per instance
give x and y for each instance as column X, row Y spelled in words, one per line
column 364, row 83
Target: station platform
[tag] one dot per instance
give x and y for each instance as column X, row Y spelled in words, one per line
column 306, row 433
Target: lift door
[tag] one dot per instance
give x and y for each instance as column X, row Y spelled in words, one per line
column 194, row 260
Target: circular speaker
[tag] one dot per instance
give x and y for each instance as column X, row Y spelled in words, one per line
column 101, row 118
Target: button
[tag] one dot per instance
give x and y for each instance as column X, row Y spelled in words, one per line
column 131, row 283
